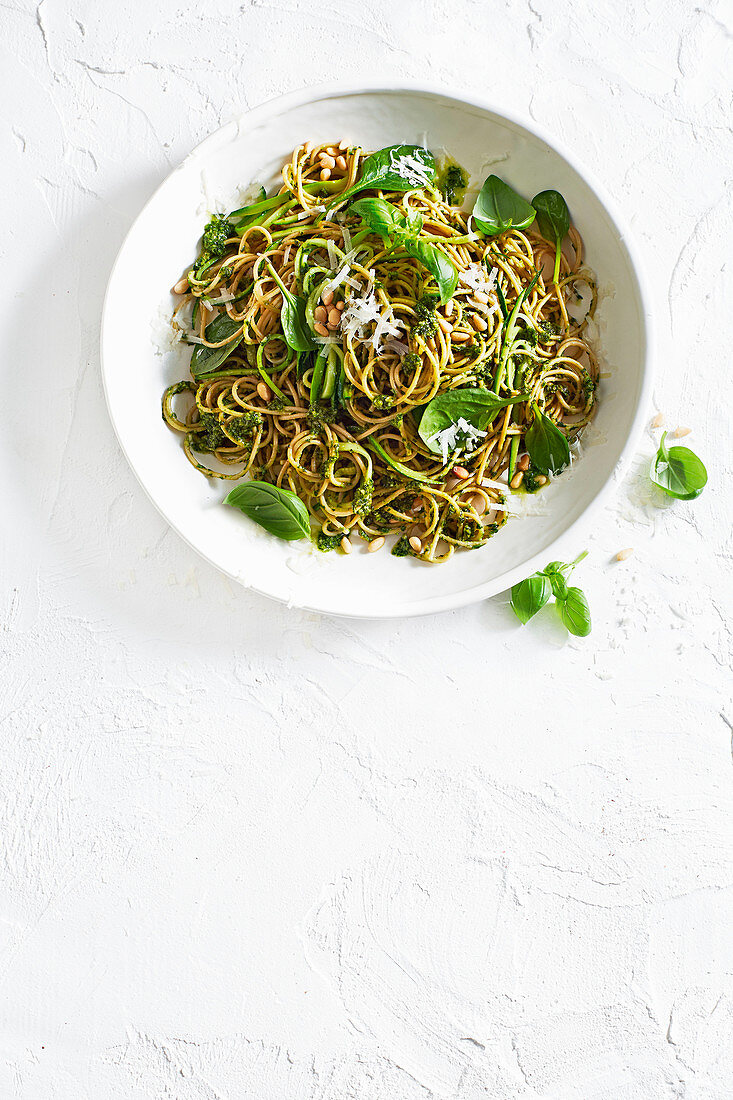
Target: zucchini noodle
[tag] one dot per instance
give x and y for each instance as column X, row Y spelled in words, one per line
column 339, row 425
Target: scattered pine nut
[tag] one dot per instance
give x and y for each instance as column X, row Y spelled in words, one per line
column 264, row 391
column 331, row 151
column 517, row 480
column 326, row 174
column 340, row 306
column 624, row 554
column 478, row 323
column 445, row 325
column 481, row 297
column 321, row 314
column 327, row 297
column 415, row 544
column 334, row 317
column 679, row 432
column 658, row 420
column 320, row 329
column 327, row 161
column 523, row 463
column 450, row 304
column 460, row 337
column 461, row 472
column 181, row 286
column 341, row 164
column 542, row 480
column 346, row 545
column 375, row 544
column 343, row 145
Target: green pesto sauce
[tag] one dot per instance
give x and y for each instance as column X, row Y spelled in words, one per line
column 452, row 181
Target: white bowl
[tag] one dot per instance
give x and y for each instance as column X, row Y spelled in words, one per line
column 162, row 242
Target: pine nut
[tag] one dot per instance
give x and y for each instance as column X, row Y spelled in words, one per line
column 320, row 329
column 624, row 554
column 460, row 337
column 331, row 151
column 340, row 306
column 327, row 161
column 461, row 472
column 444, row 325
column 375, row 544
column 658, row 420
column 327, row 297
column 417, row 506
column 478, row 323
column 679, row 432
column 542, row 480
column 321, row 314
column 450, row 304
column 341, row 164
column 326, row 174
column 517, row 480
column 523, row 463
column 346, row 545
column 181, row 286
column 416, row 544
column 334, row 317
column 343, row 144
column 264, row 391
column 481, row 297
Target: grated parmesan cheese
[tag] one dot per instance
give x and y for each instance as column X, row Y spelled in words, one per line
column 476, row 278
column 461, row 435
column 410, row 168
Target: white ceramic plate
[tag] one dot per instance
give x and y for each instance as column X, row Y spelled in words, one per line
column 162, row 242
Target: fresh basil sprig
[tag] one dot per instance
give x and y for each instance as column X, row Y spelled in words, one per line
column 498, row 208
column 553, row 219
column 400, row 230
column 378, row 172
column 678, row 471
column 548, row 447
column 292, row 317
column 475, row 405
column 531, row 594
column 207, row 360
column 279, row 511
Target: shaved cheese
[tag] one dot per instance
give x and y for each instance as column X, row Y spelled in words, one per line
column 332, row 257
column 206, row 304
column 475, row 277
column 487, row 483
column 410, row 168
column 347, row 238
column 462, row 435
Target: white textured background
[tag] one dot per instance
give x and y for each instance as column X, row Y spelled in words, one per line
column 252, row 853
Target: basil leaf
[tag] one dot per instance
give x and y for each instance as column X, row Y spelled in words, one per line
column 575, row 613
column 548, row 447
column 477, row 406
column 381, row 216
column 382, row 171
column 562, row 568
column 292, row 318
column 558, row 584
column 436, row 262
column 678, row 471
column 206, row 360
column 529, row 596
column 553, row 221
column 498, row 208
column 279, row 511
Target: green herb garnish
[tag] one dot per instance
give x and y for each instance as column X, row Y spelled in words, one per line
column 678, row 471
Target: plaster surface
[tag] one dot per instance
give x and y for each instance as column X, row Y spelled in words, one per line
column 251, row 852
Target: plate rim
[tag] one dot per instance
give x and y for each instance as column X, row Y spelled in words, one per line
column 311, row 93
